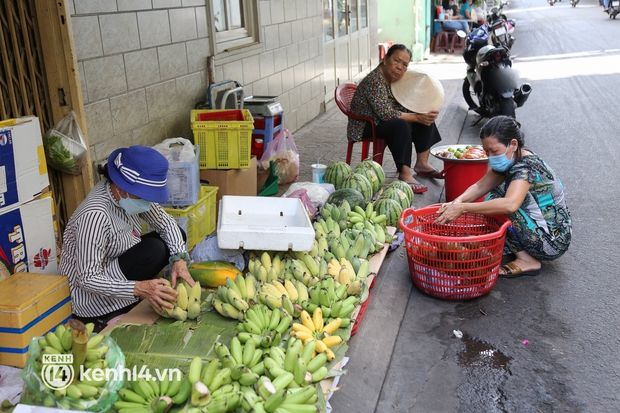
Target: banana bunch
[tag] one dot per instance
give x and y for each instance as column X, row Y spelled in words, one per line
column 296, row 366
column 265, row 268
column 232, row 299
column 212, row 389
column 187, row 305
column 345, row 273
column 305, row 269
column 285, row 295
column 263, row 326
column 146, row 396
column 324, row 226
column 333, row 301
column 338, row 213
column 360, row 218
column 269, row 398
column 241, row 359
column 313, row 329
column 88, row 352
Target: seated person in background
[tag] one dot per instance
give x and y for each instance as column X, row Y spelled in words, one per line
column 109, row 265
column 399, row 126
column 454, row 22
column 467, row 13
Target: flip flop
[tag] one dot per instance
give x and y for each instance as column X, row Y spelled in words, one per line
column 512, row 270
column 417, row 187
column 431, row 174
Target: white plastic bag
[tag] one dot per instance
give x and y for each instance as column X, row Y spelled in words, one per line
column 283, row 151
column 176, row 149
column 65, row 149
column 316, row 192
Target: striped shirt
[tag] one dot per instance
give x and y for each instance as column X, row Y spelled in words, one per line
column 98, row 232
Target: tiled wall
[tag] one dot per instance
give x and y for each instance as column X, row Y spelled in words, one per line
column 143, row 66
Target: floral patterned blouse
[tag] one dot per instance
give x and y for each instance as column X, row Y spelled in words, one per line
column 544, row 206
column 373, row 98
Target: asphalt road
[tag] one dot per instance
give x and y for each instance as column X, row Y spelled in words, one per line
column 405, row 357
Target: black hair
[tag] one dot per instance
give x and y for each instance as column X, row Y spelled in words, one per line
column 102, row 169
column 396, row 47
column 505, row 129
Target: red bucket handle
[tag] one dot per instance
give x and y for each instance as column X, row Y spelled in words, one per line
column 445, row 170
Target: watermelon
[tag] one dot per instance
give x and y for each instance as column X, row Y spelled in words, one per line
column 360, row 183
column 352, row 196
column 389, row 208
column 397, row 195
column 377, row 169
column 371, row 176
column 336, row 172
column 405, row 187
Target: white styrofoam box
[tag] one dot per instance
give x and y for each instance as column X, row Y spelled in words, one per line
column 25, row 408
column 264, row 223
column 27, row 237
column 23, row 169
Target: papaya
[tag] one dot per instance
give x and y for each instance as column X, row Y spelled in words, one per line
column 213, row 273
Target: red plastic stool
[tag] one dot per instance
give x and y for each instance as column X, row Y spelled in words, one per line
column 442, row 42
column 457, row 44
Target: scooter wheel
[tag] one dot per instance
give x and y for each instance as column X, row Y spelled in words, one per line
column 467, row 95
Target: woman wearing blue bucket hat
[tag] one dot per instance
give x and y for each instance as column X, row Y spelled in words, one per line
column 110, row 266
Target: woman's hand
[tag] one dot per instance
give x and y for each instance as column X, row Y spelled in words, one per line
column 449, row 212
column 179, row 270
column 157, row 292
column 427, row 118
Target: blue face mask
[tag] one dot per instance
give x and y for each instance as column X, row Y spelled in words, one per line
column 134, row 206
column 501, row 163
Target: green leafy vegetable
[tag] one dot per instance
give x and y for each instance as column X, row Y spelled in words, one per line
column 58, row 155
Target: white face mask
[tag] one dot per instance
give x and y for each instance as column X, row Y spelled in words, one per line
column 133, row 206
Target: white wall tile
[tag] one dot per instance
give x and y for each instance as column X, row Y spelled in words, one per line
column 303, row 50
column 71, row 8
column 275, row 84
column 161, row 99
column 300, row 74
column 99, row 121
column 280, row 59
column 302, row 118
column 261, row 88
column 284, row 101
column 285, row 34
column 128, row 111
column 172, row 61
column 266, row 64
column 142, row 68
column 272, row 40
column 150, row 134
column 290, row 12
column 201, row 22
column 183, row 24
column 166, row 4
column 316, row 87
column 95, row 6
column 154, row 28
column 193, row 3
column 191, row 89
column 295, row 97
column 119, row 32
column 233, row 71
column 178, row 125
column 133, row 5
column 298, row 31
column 317, row 26
column 277, row 11
column 302, row 8
column 308, row 27
column 309, row 69
column 264, row 13
column 105, row 77
column 306, row 92
column 315, row 47
column 288, row 79
column 87, row 37
column 197, row 53
column 292, row 55
column 251, row 70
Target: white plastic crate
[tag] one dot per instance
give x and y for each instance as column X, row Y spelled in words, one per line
column 264, row 223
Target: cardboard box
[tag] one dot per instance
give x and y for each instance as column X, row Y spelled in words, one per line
column 30, row 306
column 231, row 181
column 27, row 238
column 23, row 169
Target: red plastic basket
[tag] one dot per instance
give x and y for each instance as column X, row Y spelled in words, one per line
column 360, row 315
column 456, row 261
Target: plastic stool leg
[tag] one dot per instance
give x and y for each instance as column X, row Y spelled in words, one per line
column 349, row 151
column 365, row 149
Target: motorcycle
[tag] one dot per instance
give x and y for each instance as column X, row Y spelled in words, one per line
column 490, row 77
column 613, row 9
column 500, row 28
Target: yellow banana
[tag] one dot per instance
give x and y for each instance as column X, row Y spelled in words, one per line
column 291, row 290
column 193, row 309
column 300, row 327
column 302, row 335
column 317, row 319
column 182, row 298
column 320, row 346
column 195, row 292
column 280, row 288
column 179, row 314
column 306, row 320
column 332, row 341
column 265, row 259
column 330, row 354
column 333, row 326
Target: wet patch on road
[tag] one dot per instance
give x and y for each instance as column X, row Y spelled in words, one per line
column 477, row 353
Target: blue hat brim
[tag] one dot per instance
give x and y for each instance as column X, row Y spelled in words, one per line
column 148, row 193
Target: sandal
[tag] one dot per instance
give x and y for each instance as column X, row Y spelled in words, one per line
column 417, row 187
column 512, row 270
column 431, row 174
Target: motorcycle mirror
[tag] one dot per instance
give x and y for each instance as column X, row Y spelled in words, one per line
column 461, row 34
